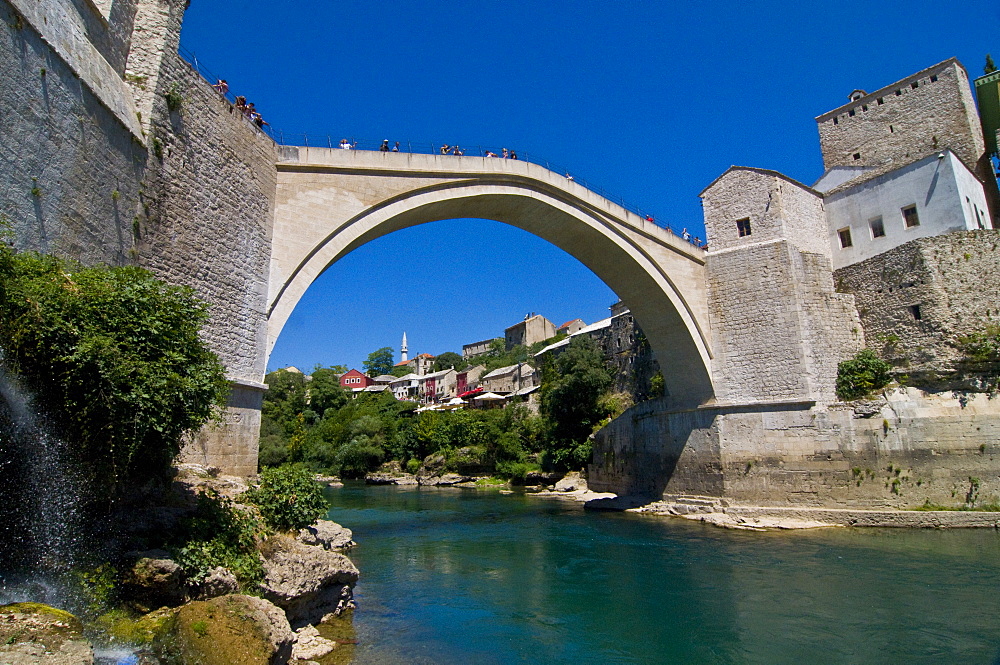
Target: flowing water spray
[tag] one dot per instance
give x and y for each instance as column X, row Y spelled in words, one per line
column 41, row 497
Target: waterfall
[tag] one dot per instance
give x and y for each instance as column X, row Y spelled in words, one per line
column 40, row 502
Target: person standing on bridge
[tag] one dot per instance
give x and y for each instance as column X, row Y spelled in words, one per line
column 344, row 145
column 503, row 153
column 445, row 149
column 395, row 148
column 385, row 146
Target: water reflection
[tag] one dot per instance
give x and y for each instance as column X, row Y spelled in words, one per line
column 452, row 576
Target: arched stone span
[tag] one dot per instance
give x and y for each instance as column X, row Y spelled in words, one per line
column 330, row 202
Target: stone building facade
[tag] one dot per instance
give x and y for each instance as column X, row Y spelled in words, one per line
column 779, row 327
column 534, row 328
column 925, row 112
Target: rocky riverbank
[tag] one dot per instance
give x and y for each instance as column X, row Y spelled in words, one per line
column 718, row 512
column 296, row 609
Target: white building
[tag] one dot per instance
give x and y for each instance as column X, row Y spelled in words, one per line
column 930, row 196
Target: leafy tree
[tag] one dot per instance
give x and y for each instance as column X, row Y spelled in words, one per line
column 325, row 391
column 379, row 362
column 862, row 375
column 990, row 67
column 285, row 398
column 450, row 359
column 114, row 359
column 571, row 400
column 401, row 371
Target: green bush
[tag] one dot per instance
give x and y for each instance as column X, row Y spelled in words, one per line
column 220, row 534
column 288, row 498
column 114, row 359
column 862, row 375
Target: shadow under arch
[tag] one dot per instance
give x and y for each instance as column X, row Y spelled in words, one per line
column 663, row 287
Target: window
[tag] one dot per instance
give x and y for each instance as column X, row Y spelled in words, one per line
column 864, row 107
column 851, row 113
column 845, row 238
column 857, row 155
column 743, row 226
column 878, row 229
column 915, row 311
column 899, row 92
column 881, row 100
column 835, row 121
column 934, row 78
column 915, row 84
column 910, row 218
column 891, row 130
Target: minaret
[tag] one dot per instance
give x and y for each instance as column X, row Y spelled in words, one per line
column 402, row 350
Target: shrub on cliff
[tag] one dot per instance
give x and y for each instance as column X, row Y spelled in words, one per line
column 114, row 359
column 288, row 498
column 862, row 375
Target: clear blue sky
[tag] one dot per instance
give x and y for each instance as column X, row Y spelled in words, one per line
column 649, row 100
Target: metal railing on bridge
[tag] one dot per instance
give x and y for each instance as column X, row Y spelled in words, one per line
column 432, row 148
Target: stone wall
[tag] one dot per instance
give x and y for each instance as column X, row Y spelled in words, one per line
column 70, row 166
column 930, row 110
column 947, row 280
column 778, row 326
column 210, row 205
column 925, row 112
column 897, row 453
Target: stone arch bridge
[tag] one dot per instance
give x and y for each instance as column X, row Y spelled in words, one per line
column 331, row 201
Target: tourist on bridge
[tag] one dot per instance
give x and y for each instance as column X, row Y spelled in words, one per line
column 503, row 153
column 685, row 234
column 385, row 146
column 395, row 148
column 221, row 87
column 445, row 149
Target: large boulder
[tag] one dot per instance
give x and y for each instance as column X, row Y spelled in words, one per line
column 328, row 535
column 444, row 480
column 154, row 580
column 228, row 630
column 32, row 633
column 308, row 582
column 219, row 582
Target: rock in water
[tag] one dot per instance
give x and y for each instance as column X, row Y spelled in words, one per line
column 328, row 535
column 32, row 633
column 228, row 630
column 309, row 645
column 308, row 582
column 571, row 482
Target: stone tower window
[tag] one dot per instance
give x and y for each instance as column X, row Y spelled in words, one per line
column 845, row 238
column 743, row 227
column 915, row 311
column 910, row 217
column 877, row 227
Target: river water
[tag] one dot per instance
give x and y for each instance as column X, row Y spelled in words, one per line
column 477, row 577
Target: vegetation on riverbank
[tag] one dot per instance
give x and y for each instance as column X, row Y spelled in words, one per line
column 113, row 359
column 317, row 423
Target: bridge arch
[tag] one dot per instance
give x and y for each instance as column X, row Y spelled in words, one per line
column 330, row 202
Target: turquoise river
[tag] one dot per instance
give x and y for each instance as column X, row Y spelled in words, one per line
column 477, row 577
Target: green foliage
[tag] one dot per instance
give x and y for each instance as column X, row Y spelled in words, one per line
column 862, row 375
column 174, row 98
column 288, row 498
column 379, row 362
column 220, row 534
column 450, row 359
column 574, row 383
column 114, row 359
column 990, row 67
column 157, row 147
column 657, row 386
column 325, row 391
